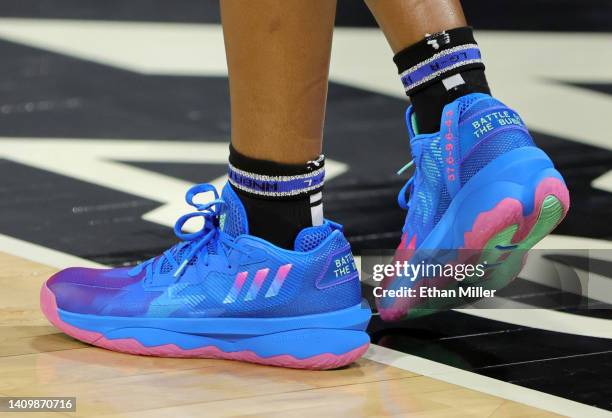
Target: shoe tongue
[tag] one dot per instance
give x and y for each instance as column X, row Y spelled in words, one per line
column 233, row 218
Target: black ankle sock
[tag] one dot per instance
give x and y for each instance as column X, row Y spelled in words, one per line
column 439, row 69
column 280, row 199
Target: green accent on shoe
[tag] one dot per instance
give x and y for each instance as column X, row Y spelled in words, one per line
column 551, row 213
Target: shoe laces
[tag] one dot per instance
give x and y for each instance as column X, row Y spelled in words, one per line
column 201, row 243
column 407, row 189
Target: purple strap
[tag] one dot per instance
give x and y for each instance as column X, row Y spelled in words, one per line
column 439, row 64
column 276, row 186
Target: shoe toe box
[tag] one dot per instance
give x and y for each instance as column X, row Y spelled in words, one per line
column 91, row 291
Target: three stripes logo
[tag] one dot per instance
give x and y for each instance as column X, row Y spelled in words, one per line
column 258, row 281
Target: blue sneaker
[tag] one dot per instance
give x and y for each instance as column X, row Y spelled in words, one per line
column 479, row 184
column 222, row 293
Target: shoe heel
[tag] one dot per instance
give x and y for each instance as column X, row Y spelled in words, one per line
column 505, row 233
column 520, row 221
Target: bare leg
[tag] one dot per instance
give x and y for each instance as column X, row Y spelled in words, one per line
column 435, row 53
column 278, row 55
column 406, row 22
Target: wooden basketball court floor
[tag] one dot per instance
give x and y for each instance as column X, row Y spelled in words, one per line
column 38, row 360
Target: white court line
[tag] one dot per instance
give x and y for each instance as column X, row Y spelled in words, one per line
column 101, row 162
column 483, row 384
column 376, row 353
column 43, row 255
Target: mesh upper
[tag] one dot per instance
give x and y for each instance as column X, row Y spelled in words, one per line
column 430, row 198
column 474, row 103
column 432, row 185
column 201, row 291
column 467, row 101
column 491, row 148
column 179, row 256
column 166, row 267
column 226, row 285
column 310, row 238
column 235, row 219
column 233, row 223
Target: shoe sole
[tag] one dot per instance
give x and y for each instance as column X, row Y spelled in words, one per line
column 515, row 234
column 334, row 347
column 503, row 232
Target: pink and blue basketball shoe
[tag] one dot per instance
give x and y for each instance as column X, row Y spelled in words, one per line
column 222, row 293
column 480, row 185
